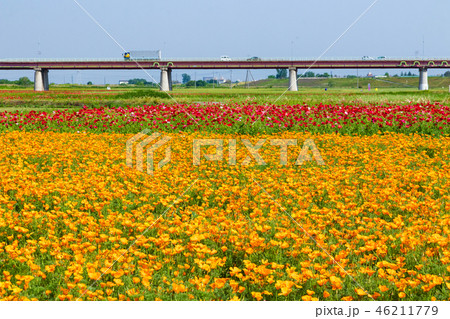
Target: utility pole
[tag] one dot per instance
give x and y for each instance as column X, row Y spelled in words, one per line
column 213, row 80
column 357, row 79
column 423, row 47
column 195, row 80
column 246, row 79
column 292, row 50
column 231, row 79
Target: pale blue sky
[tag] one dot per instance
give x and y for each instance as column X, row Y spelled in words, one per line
column 211, row 28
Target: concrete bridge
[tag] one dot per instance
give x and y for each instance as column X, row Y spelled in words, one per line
column 42, row 67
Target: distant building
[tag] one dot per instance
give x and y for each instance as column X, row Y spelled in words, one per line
column 220, row 80
column 123, row 82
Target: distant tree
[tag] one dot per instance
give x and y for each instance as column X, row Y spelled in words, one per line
column 139, row 82
column 198, row 83
column 136, row 81
column 24, row 81
column 409, row 73
column 4, row 81
column 447, row 74
column 386, row 74
column 281, row 74
column 271, row 77
column 309, row 74
column 185, row 78
column 351, row 76
column 89, row 83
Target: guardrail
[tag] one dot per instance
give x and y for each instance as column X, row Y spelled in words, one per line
column 212, row 59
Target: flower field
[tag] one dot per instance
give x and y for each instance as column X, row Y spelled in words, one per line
column 423, row 118
column 77, row 223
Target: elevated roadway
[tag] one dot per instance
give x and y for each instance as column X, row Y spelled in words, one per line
column 42, row 66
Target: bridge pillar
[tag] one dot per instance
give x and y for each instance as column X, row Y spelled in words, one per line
column 45, row 79
column 423, row 79
column 38, row 80
column 293, row 79
column 41, row 79
column 166, row 79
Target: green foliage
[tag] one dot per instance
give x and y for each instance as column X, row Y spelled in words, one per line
column 308, row 74
column 140, row 94
column 281, row 74
column 141, row 82
column 199, row 83
column 23, row 81
column 185, row 78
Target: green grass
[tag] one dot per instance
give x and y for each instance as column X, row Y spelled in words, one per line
column 353, row 83
column 26, row 99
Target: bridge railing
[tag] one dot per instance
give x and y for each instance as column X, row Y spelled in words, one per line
column 235, row 59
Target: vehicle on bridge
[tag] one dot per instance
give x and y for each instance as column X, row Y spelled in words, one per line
column 225, row 58
column 366, row 57
column 254, row 58
column 143, row 55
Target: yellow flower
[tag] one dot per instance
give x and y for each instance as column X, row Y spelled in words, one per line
column 257, row 295
column 383, row 288
column 360, row 292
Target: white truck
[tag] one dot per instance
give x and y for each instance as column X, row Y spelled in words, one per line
column 143, row 55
